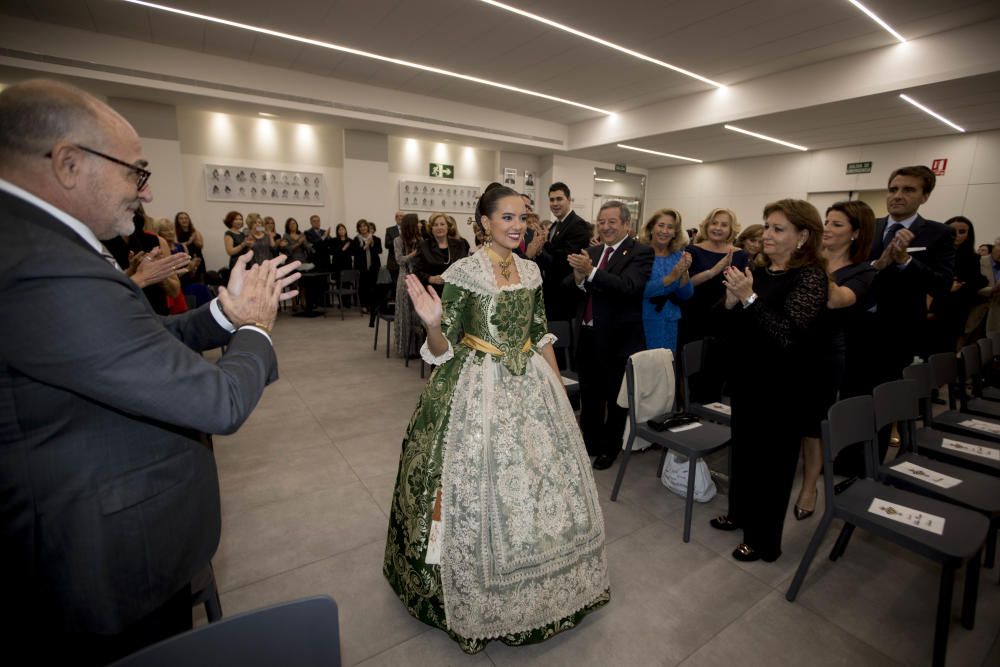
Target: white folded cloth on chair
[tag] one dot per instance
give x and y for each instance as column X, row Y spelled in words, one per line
column 654, row 388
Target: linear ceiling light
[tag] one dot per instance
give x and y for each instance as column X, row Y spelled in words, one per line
column 932, row 113
column 604, row 180
column 765, row 137
column 874, row 17
column 602, row 42
column 365, row 54
column 646, row 150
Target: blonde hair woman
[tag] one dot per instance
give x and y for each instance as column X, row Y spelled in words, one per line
column 669, row 282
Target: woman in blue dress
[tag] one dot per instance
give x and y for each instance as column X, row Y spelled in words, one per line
column 669, row 283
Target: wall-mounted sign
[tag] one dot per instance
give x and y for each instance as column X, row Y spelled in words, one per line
column 939, row 165
column 442, row 170
column 859, row 168
column 227, row 182
column 620, row 167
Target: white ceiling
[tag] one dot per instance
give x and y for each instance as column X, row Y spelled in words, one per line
column 731, row 41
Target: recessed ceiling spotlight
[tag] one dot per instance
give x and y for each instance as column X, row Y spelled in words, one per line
column 765, row 137
column 651, row 152
column 874, row 17
column 932, row 113
column 602, row 42
column 364, row 54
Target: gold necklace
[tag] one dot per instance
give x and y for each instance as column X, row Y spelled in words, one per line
column 503, row 264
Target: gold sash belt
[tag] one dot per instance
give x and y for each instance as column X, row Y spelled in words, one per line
column 480, row 345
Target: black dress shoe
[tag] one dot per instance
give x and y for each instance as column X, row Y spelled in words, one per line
column 747, row 554
column 722, row 522
column 603, row 462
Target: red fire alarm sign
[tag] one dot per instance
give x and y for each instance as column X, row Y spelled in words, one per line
column 939, row 165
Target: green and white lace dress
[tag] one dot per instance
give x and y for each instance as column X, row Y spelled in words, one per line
column 515, row 550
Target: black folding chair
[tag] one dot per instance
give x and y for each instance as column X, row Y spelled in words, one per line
column 692, row 364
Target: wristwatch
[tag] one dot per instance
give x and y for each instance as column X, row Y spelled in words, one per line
column 750, row 300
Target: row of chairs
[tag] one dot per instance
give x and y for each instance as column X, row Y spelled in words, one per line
column 943, row 476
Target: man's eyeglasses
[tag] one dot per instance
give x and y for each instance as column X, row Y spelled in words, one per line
column 142, row 175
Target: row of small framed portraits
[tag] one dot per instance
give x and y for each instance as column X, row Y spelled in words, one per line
column 436, row 196
column 237, row 183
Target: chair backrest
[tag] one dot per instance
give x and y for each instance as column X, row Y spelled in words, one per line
column 630, row 388
column 692, row 355
column 349, row 277
column 985, row 351
column 921, row 374
column 972, row 364
column 897, row 402
column 944, row 369
column 848, row 422
column 562, row 330
column 302, row 633
column 995, row 339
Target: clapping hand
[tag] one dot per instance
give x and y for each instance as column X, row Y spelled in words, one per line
column 582, row 265
column 899, row 245
column 722, row 264
column 283, row 274
column 739, row 285
column 426, row 303
column 150, row 268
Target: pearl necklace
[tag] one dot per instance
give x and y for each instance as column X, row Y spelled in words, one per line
column 503, row 264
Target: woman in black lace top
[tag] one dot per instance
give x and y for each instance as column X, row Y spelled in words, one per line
column 774, row 316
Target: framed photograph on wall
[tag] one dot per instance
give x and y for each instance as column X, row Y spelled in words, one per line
column 430, row 196
column 264, row 186
column 510, row 177
column 529, row 179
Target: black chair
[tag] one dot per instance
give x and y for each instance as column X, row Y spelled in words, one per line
column 695, row 443
column 347, row 285
column 204, row 591
column 303, row 633
column 563, row 331
column 386, row 313
column 944, row 373
column 898, row 402
column 852, row 421
column 970, row 374
column 692, row 363
column 988, row 355
column 956, row 448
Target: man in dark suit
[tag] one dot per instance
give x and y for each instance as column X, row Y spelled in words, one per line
column 110, row 496
column 914, row 257
column 609, row 280
column 391, row 262
column 568, row 235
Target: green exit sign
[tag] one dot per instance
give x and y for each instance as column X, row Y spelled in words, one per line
column 859, row 168
column 620, row 168
column 442, row 170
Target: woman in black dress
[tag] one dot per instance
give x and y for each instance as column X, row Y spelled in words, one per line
column 949, row 311
column 775, row 312
column 435, row 255
column 847, row 238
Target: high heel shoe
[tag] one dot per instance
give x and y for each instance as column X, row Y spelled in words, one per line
column 801, row 514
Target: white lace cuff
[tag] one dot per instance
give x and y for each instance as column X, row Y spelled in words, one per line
column 425, row 354
column 547, row 339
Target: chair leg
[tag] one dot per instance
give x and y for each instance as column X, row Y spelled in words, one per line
column 388, row 344
column 375, row 344
column 663, row 460
column 621, row 466
column 689, row 498
column 213, row 606
column 971, row 592
column 841, row 545
column 807, row 557
column 943, row 619
column 991, row 544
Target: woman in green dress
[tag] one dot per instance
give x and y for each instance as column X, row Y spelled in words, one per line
column 495, row 530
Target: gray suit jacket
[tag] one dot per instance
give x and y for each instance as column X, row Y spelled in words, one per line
column 109, row 500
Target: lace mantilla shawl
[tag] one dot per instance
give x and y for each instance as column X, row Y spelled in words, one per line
column 475, row 274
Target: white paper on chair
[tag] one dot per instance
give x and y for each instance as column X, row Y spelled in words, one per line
column 907, row 515
column 684, row 427
column 969, row 448
column 719, row 407
column 927, row 474
column 980, row 425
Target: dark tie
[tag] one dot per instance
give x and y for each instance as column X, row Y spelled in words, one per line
column 555, row 229
column 890, row 233
column 588, row 311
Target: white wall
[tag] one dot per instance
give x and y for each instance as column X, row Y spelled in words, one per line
column 971, row 185
column 210, row 137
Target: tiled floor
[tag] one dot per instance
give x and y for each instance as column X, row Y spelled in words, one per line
column 306, row 487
